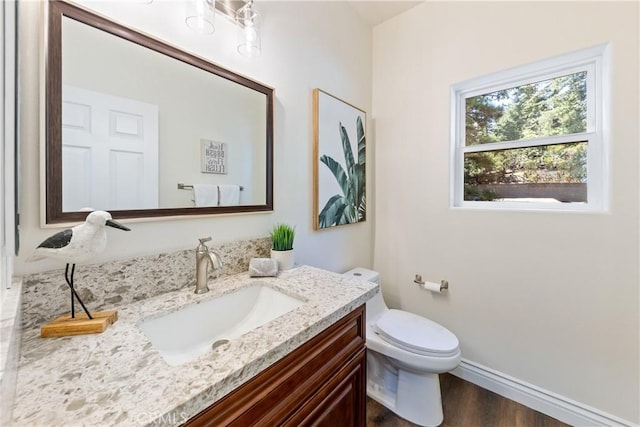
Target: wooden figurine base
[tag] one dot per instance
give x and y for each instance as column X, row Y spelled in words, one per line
column 65, row 325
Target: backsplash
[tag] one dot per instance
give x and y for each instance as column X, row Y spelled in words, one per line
column 108, row 285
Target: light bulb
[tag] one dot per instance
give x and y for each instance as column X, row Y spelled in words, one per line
column 200, row 16
column 250, row 34
column 248, row 30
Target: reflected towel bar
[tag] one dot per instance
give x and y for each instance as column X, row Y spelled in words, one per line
column 189, row 186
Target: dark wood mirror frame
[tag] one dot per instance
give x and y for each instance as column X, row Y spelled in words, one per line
column 54, row 213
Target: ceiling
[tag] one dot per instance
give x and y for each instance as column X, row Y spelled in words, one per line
column 374, row 12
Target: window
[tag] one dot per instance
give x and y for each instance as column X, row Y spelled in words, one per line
column 532, row 137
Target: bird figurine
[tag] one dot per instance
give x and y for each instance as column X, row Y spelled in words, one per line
column 76, row 245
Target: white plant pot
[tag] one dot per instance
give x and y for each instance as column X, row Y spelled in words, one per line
column 284, row 258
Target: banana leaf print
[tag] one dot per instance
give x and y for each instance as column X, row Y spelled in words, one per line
column 350, row 206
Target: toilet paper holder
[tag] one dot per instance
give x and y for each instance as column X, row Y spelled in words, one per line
column 444, row 284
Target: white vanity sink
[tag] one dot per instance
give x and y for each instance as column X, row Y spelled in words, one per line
column 185, row 334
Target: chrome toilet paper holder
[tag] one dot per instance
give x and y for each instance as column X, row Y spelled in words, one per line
column 444, row 284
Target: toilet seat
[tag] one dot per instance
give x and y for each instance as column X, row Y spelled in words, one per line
column 416, row 334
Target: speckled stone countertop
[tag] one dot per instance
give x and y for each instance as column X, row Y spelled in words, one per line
column 118, row 378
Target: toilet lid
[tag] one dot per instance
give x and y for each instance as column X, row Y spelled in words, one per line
column 416, row 334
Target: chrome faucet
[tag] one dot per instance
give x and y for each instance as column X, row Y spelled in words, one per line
column 204, row 257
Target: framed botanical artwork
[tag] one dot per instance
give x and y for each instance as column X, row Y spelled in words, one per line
column 339, row 162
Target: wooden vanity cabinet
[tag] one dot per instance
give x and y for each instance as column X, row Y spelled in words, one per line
column 322, row 383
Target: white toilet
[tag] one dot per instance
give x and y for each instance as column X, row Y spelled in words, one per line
column 405, row 354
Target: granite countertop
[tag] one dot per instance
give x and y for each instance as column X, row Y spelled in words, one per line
column 118, row 378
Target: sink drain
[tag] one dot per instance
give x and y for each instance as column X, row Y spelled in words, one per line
column 218, row 343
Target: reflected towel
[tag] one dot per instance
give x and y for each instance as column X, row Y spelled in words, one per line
column 205, row 195
column 229, row 195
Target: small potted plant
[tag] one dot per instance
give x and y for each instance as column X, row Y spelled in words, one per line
column 282, row 245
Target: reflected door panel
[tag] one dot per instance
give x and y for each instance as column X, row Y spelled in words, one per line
column 109, row 151
column 77, row 179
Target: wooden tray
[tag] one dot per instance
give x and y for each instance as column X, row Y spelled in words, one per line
column 65, row 326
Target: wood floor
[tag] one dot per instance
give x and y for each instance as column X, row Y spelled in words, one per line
column 467, row 405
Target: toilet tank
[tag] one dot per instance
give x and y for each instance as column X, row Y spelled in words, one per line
column 376, row 305
column 364, row 274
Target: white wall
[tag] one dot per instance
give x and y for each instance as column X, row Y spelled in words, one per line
column 548, row 298
column 330, row 49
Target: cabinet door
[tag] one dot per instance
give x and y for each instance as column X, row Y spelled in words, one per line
column 340, row 402
column 320, row 383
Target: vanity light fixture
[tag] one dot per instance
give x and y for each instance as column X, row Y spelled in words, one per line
column 200, row 16
column 248, row 21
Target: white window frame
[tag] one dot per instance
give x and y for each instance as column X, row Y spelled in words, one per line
column 595, row 61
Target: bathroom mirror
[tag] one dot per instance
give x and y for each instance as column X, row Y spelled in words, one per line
column 132, row 124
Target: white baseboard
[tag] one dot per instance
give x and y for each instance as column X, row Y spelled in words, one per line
column 549, row 403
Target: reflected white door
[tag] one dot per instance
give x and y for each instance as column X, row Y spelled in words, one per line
column 109, row 152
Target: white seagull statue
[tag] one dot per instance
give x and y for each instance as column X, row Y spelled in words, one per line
column 78, row 244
